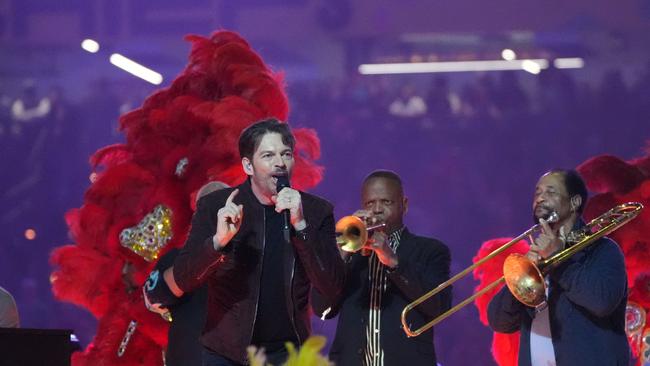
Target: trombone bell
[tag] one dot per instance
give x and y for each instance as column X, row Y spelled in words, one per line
column 524, row 279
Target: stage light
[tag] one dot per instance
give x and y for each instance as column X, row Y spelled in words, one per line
column 569, row 63
column 30, row 234
column 90, row 45
column 533, row 67
column 508, row 54
column 136, row 69
column 453, row 66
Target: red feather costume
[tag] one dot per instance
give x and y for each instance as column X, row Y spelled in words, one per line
column 181, row 138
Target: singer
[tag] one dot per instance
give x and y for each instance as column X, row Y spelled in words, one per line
column 258, row 281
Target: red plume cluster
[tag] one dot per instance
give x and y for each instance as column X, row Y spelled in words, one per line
column 616, row 181
column 182, row 137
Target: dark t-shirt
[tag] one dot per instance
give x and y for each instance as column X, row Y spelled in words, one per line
column 273, row 325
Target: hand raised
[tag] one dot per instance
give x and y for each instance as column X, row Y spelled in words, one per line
column 547, row 242
column 229, row 219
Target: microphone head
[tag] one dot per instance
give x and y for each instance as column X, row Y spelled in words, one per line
column 283, row 182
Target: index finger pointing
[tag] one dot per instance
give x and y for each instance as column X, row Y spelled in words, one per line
column 232, row 196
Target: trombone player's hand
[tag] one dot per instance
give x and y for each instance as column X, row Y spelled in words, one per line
column 547, row 243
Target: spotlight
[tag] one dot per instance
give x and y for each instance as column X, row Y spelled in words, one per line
column 136, row 69
column 532, row 65
column 569, row 63
column 508, row 54
column 90, row 45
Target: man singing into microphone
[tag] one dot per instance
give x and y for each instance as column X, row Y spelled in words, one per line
column 258, row 283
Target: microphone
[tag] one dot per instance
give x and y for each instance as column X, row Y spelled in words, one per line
column 283, row 182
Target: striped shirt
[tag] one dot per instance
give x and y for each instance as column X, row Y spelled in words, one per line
column 374, row 355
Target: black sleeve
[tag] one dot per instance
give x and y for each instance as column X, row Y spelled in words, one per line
column 155, row 288
column 325, row 308
column 505, row 312
column 317, row 250
column 198, row 258
column 421, row 272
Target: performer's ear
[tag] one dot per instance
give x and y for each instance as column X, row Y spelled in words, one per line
column 576, row 201
column 248, row 165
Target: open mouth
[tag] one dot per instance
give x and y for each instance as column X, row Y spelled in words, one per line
column 275, row 177
column 278, row 174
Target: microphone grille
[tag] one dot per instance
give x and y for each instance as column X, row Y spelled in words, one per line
column 283, row 182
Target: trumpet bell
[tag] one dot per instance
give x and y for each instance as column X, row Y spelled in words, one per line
column 351, row 233
column 524, row 279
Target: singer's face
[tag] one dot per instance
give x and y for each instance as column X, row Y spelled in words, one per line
column 271, row 159
column 551, row 196
column 385, row 201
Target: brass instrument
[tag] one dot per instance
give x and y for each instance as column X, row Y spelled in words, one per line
column 524, row 278
column 352, row 232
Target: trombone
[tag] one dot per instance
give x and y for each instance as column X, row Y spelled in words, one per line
column 523, row 277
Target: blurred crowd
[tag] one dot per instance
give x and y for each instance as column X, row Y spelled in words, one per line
column 471, row 132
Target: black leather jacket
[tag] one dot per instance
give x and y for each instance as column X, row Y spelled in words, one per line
column 233, row 274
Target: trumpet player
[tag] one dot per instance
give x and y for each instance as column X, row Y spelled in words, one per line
column 582, row 322
column 400, row 267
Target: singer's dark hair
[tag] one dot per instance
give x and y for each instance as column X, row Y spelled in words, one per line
column 385, row 174
column 250, row 138
column 574, row 185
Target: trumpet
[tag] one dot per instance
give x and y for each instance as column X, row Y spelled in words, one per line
column 352, row 232
column 524, row 278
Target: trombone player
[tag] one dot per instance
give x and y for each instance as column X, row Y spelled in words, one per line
column 401, row 267
column 583, row 320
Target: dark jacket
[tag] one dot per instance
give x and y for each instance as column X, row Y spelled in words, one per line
column 188, row 316
column 586, row 302
column 234, row 273
column 423, row 264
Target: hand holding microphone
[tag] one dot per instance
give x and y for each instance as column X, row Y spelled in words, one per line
column 289, row 202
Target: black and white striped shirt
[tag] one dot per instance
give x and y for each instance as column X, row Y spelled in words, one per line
column 374, row 355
